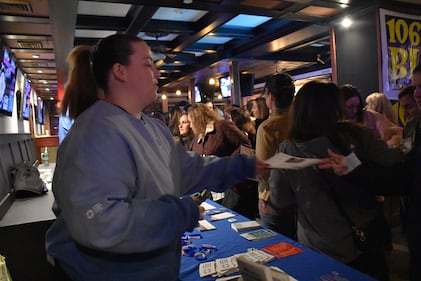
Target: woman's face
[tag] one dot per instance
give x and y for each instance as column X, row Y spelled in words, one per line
column 184, row 125
column 255, row 112
column 192, row 125
column 352, row 107
column 141, row 75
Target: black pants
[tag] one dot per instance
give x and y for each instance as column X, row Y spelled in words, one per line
column 372, row 263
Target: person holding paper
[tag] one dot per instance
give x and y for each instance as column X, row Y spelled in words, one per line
column 119, row 174
column 330, row 205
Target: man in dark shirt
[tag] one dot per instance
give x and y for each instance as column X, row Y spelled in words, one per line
column 412, row 139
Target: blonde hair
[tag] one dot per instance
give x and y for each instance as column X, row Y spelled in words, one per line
column 380, row 103
column 200, row 115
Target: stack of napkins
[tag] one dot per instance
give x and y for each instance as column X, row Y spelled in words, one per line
column 245, row 226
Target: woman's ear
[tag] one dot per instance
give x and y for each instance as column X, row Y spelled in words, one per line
column 119, row 71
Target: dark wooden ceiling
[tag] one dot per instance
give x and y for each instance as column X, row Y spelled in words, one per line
column 295, row 38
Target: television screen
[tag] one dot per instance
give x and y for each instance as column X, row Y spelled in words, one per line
column 26, row 102
column 197, row 97
column 225, row 86
column 246, row 84
column 7, row 83
column 40, row 111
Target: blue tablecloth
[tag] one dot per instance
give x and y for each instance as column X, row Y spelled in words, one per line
column 306, row 266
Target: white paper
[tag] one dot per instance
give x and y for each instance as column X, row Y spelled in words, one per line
column 285, row 161
column 207, row 268
column 207, row 206
column 222, row 216
column 204, row 225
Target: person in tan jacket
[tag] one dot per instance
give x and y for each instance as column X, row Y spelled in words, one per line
column 279, row 91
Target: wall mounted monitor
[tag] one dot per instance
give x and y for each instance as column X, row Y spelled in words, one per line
column 225, row 86
column 26, row 100
column 8, row 72
column 197, row 97
column 40, row 111
column 246, row 84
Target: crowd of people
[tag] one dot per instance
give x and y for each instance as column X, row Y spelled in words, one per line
column 124, row 174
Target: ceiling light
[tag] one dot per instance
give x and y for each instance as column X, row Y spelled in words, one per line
column 51, row 98
column 212, row 81
column 47, row 89
column 187, row 1
column 44, row 82
column 178, row 92
column 39, row 71
column 219, row 97
column 35, row 56
column 163, row 97
column 346, row 22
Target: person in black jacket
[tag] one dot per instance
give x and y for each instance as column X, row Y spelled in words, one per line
column 412, row 143
column 330, row 208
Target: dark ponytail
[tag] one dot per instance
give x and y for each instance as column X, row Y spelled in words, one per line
column 90, row 68
column 81, row 90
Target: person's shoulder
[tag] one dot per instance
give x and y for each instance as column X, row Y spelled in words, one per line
column 414, row 122
column 275, row 121
column 223, row 124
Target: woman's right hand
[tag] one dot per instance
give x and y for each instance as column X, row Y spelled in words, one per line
column 261, row 167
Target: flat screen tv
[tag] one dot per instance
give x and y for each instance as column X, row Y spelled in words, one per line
column 246, row 84
column 40, row 111
column 225, row 86
column 7, row 83
column 26, row 102
column 197, row 97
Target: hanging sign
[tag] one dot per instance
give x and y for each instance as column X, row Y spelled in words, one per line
column 401, row 49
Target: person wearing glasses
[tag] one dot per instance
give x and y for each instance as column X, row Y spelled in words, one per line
column 378, row 123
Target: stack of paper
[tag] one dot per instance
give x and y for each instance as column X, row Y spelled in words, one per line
column 245, row 226
column 258, row 234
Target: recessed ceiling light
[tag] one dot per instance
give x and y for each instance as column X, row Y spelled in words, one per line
column 35, row 56
column 178, row 92
column 51, row 98
column 44, row 82
column 39, row 71
column 346, row 22
column 47, row 89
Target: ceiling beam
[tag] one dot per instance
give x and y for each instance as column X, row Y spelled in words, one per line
column 140, row 16
column 169, row 26
column 205, row 25
column 25, row 19
column 101, row 23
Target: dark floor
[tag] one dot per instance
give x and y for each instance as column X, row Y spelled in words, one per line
column 399, row 257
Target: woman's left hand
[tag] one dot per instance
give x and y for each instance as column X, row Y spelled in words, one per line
column 335, row 162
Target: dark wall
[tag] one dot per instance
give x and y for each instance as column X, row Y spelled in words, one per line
column 357, row 54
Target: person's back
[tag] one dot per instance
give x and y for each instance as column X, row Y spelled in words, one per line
column 329, row 207
column 271, row 132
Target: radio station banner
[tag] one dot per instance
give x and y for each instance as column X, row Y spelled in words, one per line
column 401, row 49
